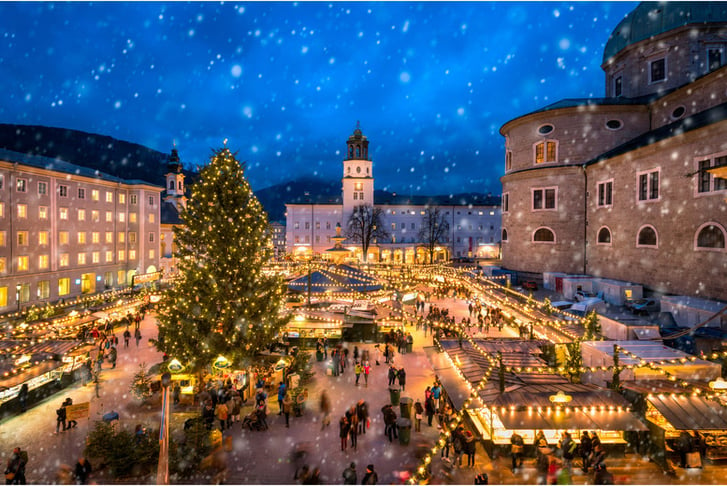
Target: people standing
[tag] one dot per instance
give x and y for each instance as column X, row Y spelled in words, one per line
column 15, row 470
column 392, row 375
column 70, row 423
column 349, row 474
column 436, row 394
column 586, row 448
column 112, row 356
column 366, row 371
column 82, row 471
column 281, row 397
column 23, row 397
column 61, row 418
column 401, row 375
column 127, row 337
column 517, row 444
column 430, row 409
column 389, row 422
column 470, row 447
column 353, row 429
column 221, row 412
column 287, row 407
column 343, row 429
column 357, row 370
column 370, row 477
column 325, row 407
column 418, row 414
column 362, row 413
column 137, row 336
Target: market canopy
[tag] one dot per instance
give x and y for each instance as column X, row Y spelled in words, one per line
column 686, row 412
column 562, row 420
column 338, row 278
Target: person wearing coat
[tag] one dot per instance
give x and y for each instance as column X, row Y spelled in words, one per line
column 402, row 378
column 430, row 409
column 287, row 408
column 418, row 414
column 343, row 429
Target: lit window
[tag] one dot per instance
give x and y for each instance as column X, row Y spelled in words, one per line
column 109, row 197
column 21, row 185
column 109, row 216
column 63, row 214
column 2, row 209
column 94, row 216
column 546, row 151
column 122, row 255
column 122, row 198
column 22, row 211
column 151, row 254
column 82, row 237
column 122, row 217
column 708, row 182
column 63, row 237
column 95, row 237
column 44, row 289
column 95, row 257
column 63, row 260
column 132, row 254
column 23, row 264
column 109, row 256
column 43, row 212
column 43, row 262
column 22, row 238
column 151, row 217
column 81, row 258
column 64, row 286
column 3, row 265
column 132, row 217
column 94, row 194
column 121, row 277
column 82, row 215
column 42, row 238
column 122, row 237
column 109, row 237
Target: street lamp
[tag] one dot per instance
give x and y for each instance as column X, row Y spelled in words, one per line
column 163, row 469
column 17, row 294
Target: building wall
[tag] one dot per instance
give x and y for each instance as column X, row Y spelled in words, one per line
column 114, row 237
column 309, row 227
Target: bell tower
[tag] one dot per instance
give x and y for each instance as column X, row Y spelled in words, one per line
column 358, row 177
column 175, row 181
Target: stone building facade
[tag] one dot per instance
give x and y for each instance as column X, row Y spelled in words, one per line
column 623, row 187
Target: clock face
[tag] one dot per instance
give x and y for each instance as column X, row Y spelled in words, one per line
column 358, row 170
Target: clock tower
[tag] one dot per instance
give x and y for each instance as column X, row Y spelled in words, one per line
column 358, row 177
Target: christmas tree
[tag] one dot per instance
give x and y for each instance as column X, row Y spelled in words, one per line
column 222, row 304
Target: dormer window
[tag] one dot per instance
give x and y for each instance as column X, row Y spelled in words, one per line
column 657, row 70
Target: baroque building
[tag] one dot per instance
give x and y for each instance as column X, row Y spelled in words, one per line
column 627, row 186
column 474, row 222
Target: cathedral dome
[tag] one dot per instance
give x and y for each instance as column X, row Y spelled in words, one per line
column 650, row 19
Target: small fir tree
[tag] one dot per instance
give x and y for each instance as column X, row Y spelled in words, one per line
column 574, row 361
column 141, row 383
column 222, row 303
column 593, row 327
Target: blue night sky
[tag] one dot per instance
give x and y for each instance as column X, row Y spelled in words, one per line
column 285, row 83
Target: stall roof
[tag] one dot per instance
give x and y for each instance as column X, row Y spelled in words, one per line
column 598, row 420
column 18, row 347
column 30, row 373
column 456, row 389
column 644, row 350
column 582, row 395
column 690, row 413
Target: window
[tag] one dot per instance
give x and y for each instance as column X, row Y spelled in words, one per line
column 647, row 237
column 2, row 209
column 678, row 112
column 544, row 199
column 508, row 160
column 132, row 254
column 544, row 235
column 94, row 194
column 94, row 216
column 109, row 256
column 122, row 236
column 121, row 277
column 604, row 236
column 296, row 225
column 358, row 186
column 413, row 226
column 618, row 86
column 318, row 225
column 707, row 182
column 506, row 202
column 546, row 151
column 109, row 216
column 122, row 255
column 63, row 191
column 328, row 225
column 82, row 237
column 355, row 196
column 545, row 129
column 605, row 194
column 3, row 265
column 63, row 214
column 23, row 264
column 81, row 258
column 43, row 262
column 360, row 196
column 307, row 225
column 95, row 237
column 151, row 254
column 132, row 217
column 151, row 217
column 63, row 262
column 122, row 217
column 42, row 238
column 63, row 237
column 81, row 193
column 82, row 215
column 2, row 181
column 657, row 70
column 132, row 199
column 122, row 198
column 64, row 286
column 614, row 124
column 95, row 257
column 21, row 185
column 151, row 200
column 393, row 226
column 132, row 237
column 711, row 236
column 22, row 238
column 22, row 211
column 504, row 234
column 715, row 57
column 648, row 184
column 2, row 238
column 109, row 197
column 109, row 237
column 42, row 188
column 44, row 289
column 151, row 237
column 43, row 212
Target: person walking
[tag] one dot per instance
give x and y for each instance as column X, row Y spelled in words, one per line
column 357, row 370
column 401, row 374
column 113, row 356
column 61, row 418
column 82, row 471
column 281, row 397
column 362, row 413
column 353, row 429
column 586, row 448
column 349, row 474
column 418, row 414
column 470, row 447
column 436, row 394
column 15, row 470
column 370, row 477
column 343, row 429
column 221, row 412
column 430, row 409
column 127, row 337
column 366, row 371
column 325, row 407
column 23, row 397
column 137, row 336
column 377, row 354
column 70, row 423
column 517, row 444
column 389, row 422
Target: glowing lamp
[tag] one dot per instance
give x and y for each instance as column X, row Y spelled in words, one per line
column 560, row 397
column 718, row 384
column 221, row 363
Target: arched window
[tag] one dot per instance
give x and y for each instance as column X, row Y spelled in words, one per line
column 504, row 234
column 604, row 236
column 647, row 237
column 544, row 235
column 711, row 237
column 171, row 185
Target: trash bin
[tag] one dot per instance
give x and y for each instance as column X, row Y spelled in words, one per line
column 319, row 355
column 404, row 426
column 409, row 347
column 405, row 406
column 395, row 393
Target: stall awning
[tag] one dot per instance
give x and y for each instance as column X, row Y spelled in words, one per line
column 456, row 389
column 690, row 413
column 598, row 420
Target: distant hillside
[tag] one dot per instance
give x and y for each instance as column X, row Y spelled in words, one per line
column 303, row 190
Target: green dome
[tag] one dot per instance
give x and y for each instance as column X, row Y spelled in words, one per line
column 653, row 18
